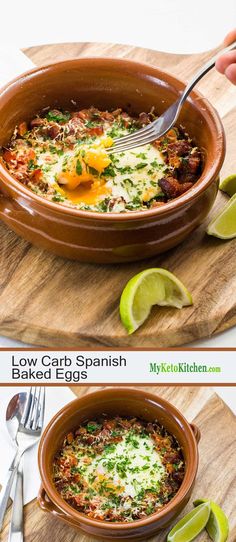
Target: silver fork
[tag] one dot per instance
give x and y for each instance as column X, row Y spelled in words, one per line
column 164, row 123
column 16, row 529
column 29, row 431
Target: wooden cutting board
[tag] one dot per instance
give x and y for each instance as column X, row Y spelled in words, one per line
column 216, row 476
column 53, row 302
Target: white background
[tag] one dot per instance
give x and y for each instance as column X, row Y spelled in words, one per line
column 178, row 26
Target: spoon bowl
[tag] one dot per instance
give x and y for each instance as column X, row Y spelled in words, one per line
column 14, row 414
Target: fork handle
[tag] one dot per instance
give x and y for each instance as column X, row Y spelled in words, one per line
column 7, row 485
column 206, row 68
column 16, row 525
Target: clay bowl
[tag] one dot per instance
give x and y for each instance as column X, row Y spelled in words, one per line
column 126, row 402
column 97, row 237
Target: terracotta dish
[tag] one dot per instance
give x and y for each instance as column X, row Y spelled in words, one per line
column 107, row 84
column 122, row 402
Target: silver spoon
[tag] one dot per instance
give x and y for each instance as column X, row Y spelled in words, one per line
column 25, row 423
column 12, row 424
column 14, row 413
column 164, row 123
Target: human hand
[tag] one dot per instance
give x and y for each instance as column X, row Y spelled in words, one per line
column 226, row 63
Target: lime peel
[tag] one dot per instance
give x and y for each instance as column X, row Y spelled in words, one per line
column 223, row 224
column 217, row 525
column 191, row 525
column 155, row 286
column 228, row 185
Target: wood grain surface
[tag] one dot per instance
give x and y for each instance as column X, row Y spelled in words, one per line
column 216, row 476
column 49, row 301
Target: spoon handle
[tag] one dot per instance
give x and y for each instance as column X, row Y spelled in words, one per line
column 16, row 525
column 7, row 485
column 206, row 68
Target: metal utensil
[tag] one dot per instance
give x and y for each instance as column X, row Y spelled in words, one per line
column 19, row 401
column 14, row 414
column 24, row 418
column 164, row 123
column 16, row 529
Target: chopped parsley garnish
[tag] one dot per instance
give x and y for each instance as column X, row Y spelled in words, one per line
column 103, row 206
column 92, row 427
column 109, row 171
column 90, row 124
column 150, row 509
column 131, row 439
column 141, row 165
column 58, row 116
column 92, row 171
column 32, row 165
column 154, row 163
column 58, row 197
column 110, row 448
column 122, row 480
column 53, row 150
column 117, row 130
column 142, row 155
column 136, row 203
column 125, row 169
column 46, row 168
column 79, row 168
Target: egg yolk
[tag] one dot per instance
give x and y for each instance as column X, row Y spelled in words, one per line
column 74, row 174
column 77, row 181
column 76, row 171
column 87, row 193
column 97, row 159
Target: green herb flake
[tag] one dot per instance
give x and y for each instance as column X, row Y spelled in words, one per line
column 58, row 116
column 110, row 448
column 125, row 169
column 141, row 165
column 92, row 427
column 78, row 168
column 90, row 124
column 32, row 165
column 58, row 197
column 109, row 171
column 142, row 155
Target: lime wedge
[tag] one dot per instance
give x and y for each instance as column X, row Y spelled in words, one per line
column 190, row 525
column 228, row 185
column 150, row 287
column 224, row 224
column 218, row 525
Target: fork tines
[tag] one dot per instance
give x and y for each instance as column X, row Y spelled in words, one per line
column 136, row 139
column 33, row 415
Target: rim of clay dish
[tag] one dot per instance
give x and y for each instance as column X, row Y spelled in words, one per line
column 197, row 100
column 190, row 475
